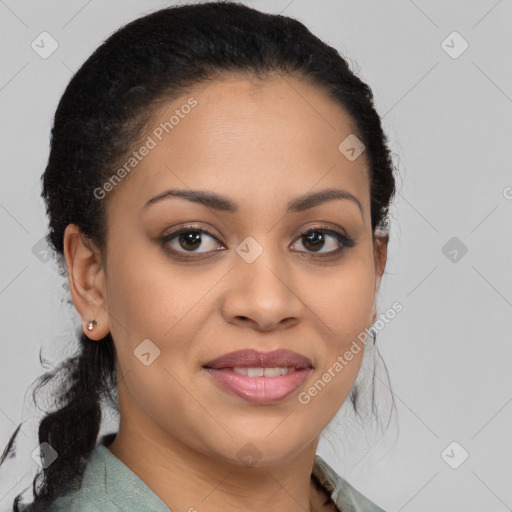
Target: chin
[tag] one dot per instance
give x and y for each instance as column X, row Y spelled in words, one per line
column 262, row 449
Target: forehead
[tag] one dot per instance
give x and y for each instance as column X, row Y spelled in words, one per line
column 251, row 139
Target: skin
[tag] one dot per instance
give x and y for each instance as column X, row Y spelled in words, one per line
column 261, row 143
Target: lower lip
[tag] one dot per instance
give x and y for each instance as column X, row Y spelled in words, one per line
column 259, row 390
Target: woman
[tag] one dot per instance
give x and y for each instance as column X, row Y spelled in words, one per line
column 217, row 190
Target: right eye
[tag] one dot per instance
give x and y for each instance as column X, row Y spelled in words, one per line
column 190, row 239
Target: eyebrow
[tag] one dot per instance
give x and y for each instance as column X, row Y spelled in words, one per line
column 225, row 204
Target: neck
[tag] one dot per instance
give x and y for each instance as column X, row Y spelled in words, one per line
column 185, row 479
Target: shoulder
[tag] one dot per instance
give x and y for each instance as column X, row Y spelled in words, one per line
column 346, row 497
column 108, row 485
column 92, row 495
column 75, row 504
column 85, row 500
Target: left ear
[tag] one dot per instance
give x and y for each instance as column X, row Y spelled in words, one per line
column 380, row 256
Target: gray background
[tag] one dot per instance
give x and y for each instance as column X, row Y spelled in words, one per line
column 449, row 123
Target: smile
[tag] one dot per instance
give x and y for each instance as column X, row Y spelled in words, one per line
column 259, row 385
column 263, row 372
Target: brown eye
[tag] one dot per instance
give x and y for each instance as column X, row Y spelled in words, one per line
column 316, row 239
column 190, row 240
column 313, row 241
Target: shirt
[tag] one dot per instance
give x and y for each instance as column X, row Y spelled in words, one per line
column 108, row 485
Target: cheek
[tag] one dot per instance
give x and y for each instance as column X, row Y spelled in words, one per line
column 145, row 296
column 346, row 310
column 345, row 304
column 150, row 299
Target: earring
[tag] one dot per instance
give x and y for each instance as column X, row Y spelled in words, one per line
column 374, row 334
column 91, row 324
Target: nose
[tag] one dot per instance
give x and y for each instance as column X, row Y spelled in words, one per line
column 262, row 295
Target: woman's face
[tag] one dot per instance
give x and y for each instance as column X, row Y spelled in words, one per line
column 251, row 280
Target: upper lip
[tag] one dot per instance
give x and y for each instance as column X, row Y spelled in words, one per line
column 254, row 359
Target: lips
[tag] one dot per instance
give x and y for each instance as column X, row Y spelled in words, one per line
column 260, row 377
column 253, row 359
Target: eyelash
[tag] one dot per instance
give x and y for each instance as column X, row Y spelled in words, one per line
column 345, row 240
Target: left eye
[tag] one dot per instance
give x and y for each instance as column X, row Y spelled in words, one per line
column 316, row 240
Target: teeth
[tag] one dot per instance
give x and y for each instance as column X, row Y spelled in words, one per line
column 275, row 372
column 263, row 372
